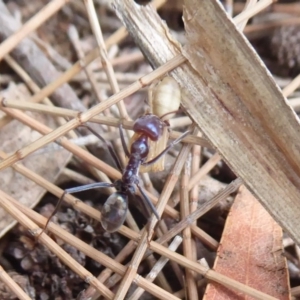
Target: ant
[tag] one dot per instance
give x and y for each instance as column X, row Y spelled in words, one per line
column 114, row 210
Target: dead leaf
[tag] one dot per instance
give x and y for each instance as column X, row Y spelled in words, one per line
column 251, row 251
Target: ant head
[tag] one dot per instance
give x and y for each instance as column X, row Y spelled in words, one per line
column 149, row 125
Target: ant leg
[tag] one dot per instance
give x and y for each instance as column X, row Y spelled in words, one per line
column 170, row 112
column 172, row 144
column 75, row 190
column 148, row 201
column 123, row 140
column 90, row 186
column 108, row 145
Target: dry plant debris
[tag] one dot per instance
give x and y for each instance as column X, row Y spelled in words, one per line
column 59, row 50
column 251, row 251
column 14, row 137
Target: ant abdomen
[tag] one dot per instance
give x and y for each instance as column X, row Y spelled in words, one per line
column 113, row 212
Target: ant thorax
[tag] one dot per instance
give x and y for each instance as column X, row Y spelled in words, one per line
column 138, row 153
column 140, row 148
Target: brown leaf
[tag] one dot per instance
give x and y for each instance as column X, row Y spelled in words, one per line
column 251, row 251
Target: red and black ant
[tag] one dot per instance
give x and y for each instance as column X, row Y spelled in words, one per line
column 114, row 210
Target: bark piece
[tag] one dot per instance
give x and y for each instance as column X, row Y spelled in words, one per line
column 231, row 96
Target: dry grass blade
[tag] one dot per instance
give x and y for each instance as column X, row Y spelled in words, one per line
column 293, row 86
column 103, row 54
column 30, row 26
column 154, row 246
column 35, row 62
column 31, row 84
column 6, row 204
column 148, row 232
column 212, row 275
column 90, row 211
column 295, row 291
column 52, row 188
column 34, row 87
column 136, row 237
column 13, row 285
column 252, row 11
column 13, row 137
column 231, row 188
column 43, row 129
column 109, row 71
column 119, row 35
column 188, row 250
column 86, row 156
column 86, row 116
column 156, row 268
column 91, row 293
column 76, row 203
column 93, row 253
column 96, row 215
column 110, row 121
column 242, row 100
column 205, row 169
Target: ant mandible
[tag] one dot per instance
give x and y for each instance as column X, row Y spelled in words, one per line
column 114, row 210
